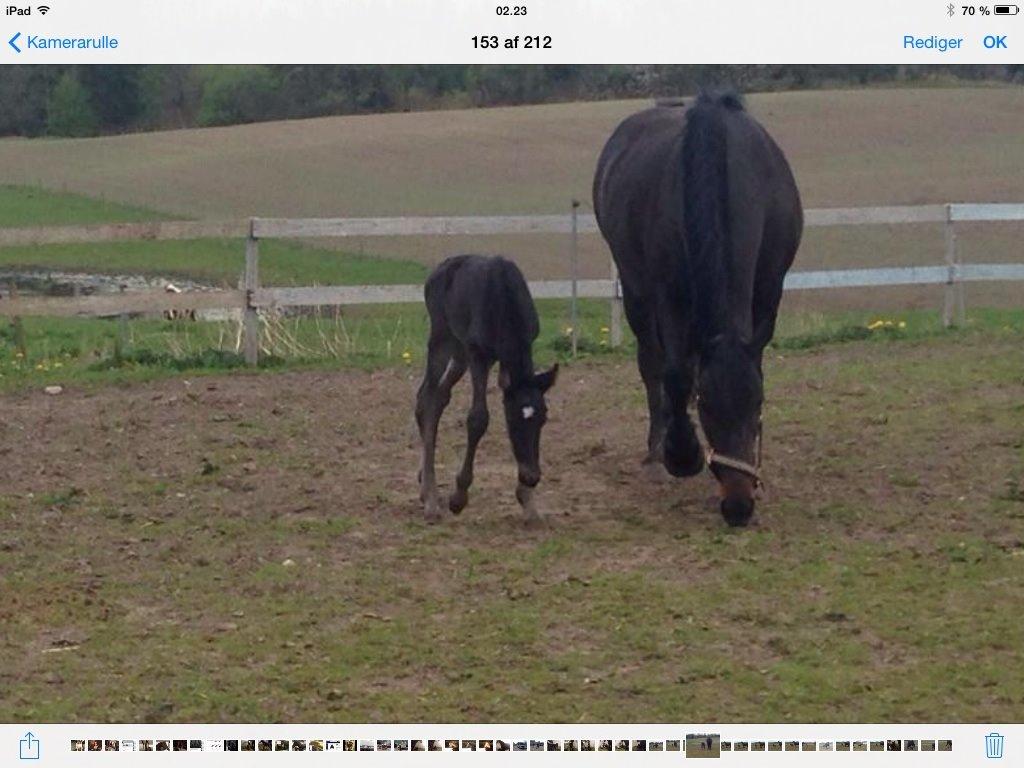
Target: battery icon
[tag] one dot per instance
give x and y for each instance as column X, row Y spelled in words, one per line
column 1006, row 10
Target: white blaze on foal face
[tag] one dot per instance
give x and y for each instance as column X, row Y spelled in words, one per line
column 528, row 412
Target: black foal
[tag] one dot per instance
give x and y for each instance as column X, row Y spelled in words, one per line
column 481, row 312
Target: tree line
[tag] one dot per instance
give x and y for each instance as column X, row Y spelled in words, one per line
column 89, row 100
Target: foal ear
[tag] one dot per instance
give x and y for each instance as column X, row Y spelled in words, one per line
column 546, row 379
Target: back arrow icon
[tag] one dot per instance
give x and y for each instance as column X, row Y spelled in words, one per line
column 13, row 42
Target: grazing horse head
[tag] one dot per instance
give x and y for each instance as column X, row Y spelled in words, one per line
column 525, row 414
column 729, row 398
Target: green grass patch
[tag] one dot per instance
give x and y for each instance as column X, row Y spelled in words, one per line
column 815, row 329
column 71, row 350
column 215, row 261
column 22, row 206
column 81, row 350
column 208, row 359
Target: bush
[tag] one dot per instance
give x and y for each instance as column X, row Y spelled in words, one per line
column 70, row 112
column 238, row 94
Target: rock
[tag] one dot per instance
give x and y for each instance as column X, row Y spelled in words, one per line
column 54, row 389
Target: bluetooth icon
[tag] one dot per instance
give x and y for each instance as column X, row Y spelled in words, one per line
column 951, row 10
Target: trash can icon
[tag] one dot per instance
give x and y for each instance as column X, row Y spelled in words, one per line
column 994, row 745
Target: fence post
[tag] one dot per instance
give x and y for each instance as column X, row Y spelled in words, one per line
column 251, row 318
column 616, row 320
column 121, row 346
column 954, row 304
column 574, row 269
column 960, row 289
column 19, row 329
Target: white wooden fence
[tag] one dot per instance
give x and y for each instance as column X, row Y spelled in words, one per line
column 253, row 297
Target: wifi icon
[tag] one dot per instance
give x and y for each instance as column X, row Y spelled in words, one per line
column 43, row 9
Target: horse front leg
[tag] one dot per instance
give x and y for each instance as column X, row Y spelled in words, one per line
column 683, row 454
column 476, row 426
column 649, row 361
column 431, row 400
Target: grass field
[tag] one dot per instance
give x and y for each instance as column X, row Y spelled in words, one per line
column 250, row 548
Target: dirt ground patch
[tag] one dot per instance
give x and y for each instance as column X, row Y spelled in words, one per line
column 250, row 548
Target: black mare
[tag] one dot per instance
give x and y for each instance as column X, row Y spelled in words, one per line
column 703, row 218
column 481, row 312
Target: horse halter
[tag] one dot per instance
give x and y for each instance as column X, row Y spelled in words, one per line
column 750, row 470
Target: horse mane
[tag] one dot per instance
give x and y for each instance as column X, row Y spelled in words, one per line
column 706, row 210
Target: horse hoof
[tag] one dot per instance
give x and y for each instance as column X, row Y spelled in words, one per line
column 527, row 502
column 458, row 500
column 432, row 511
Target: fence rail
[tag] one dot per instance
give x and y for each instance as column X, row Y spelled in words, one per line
column 106, row 233
column 106, row 304
column 253, row 297
column 561, row 224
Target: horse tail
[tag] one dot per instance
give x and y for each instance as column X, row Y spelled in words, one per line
column 706, row 209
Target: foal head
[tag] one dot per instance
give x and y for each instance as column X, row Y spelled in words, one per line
column 730, row 394
column 525, row 414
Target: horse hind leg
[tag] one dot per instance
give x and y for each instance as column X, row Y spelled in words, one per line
column 445, row 367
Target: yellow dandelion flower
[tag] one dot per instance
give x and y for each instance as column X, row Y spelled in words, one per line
column 605, row 329
column 903, row 323
column 876, row 324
